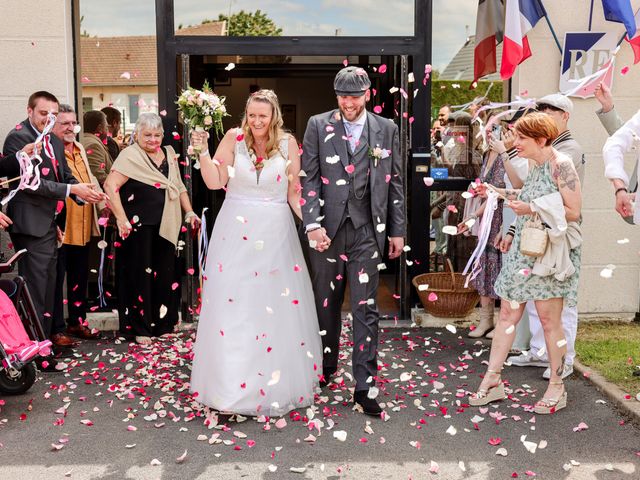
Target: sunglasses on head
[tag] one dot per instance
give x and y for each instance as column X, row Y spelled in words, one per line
column 545, row 106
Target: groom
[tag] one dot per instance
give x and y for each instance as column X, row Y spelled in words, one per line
column 353, row 199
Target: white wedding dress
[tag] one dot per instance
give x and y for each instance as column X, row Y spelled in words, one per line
column 258, row 349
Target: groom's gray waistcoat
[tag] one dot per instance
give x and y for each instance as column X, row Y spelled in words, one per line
column 331, row 193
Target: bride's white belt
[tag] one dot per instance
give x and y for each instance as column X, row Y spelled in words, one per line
column 249, row 199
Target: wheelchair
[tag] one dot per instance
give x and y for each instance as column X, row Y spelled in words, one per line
column 22, row 338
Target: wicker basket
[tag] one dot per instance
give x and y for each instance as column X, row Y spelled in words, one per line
column 454, row 300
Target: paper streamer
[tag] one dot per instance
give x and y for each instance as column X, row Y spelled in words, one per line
column 29, row 170
column 203, row 244
column 483, row 237
column 102, row 301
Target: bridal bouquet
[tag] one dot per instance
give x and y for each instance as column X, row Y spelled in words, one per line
column 202, row 109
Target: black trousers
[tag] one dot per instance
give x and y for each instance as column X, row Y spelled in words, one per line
column 38, row 268
column 147, row 300
column 329, row 279
column 73, row 261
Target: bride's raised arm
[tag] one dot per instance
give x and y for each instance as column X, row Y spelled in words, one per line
column 293, row 175
column 215, row 171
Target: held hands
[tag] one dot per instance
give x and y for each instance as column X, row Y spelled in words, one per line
column 318, row 239
column 88, row 192
column 396, row 244
column 520, row 208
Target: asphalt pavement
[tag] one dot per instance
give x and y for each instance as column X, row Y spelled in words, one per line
column 120, row 411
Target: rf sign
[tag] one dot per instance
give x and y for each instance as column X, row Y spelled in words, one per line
column 584, row 54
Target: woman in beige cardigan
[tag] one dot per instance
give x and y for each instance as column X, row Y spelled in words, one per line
column 147, row 199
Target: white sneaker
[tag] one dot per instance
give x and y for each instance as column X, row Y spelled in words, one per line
column 566, row 371
column 527, row 359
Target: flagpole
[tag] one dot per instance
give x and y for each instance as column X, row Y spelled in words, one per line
column 590, row 15
column 553, row 32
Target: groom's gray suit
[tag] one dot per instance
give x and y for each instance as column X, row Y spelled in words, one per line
column 358, row 210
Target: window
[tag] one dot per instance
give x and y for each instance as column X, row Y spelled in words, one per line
column 295, row 18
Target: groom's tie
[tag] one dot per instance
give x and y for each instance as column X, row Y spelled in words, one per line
column 353, row 131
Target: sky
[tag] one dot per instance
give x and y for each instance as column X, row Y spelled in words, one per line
column 295, row 17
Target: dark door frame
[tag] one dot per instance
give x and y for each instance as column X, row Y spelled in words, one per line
column 170, row 47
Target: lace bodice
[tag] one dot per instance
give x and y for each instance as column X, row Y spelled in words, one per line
column 272, row 183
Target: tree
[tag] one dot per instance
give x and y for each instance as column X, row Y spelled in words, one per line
column 248, row 24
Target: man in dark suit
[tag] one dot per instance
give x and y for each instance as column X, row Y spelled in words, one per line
column 10, row 168
column 353, row 199
column 34, row 213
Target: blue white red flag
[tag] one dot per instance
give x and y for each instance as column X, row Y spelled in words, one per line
column 620, row 11
column 520, row 17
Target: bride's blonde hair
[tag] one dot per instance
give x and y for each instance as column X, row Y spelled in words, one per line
column 275, row 132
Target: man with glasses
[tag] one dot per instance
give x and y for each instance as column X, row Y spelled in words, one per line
column 34, row 213
column 559, row 107
column 81, row 223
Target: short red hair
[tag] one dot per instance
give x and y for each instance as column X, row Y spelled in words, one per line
column 537, row 125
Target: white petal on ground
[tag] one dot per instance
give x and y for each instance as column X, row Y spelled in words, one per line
column 340, row 435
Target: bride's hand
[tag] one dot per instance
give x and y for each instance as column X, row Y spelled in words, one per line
column 199, row 140
column 318, row 239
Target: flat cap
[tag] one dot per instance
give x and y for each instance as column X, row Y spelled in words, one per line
column 556, row 100
column 351, row 81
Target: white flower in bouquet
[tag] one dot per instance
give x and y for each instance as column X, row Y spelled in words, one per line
column 202, row 109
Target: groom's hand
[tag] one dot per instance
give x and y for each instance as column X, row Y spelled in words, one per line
column 318, row 239
column 396, row 244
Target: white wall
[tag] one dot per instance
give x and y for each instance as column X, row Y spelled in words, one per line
column 36, row 53
column 602, row 226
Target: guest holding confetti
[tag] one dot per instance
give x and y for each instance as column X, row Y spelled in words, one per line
column 552, row 191
column 146, row 197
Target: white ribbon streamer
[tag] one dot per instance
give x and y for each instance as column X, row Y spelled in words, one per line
column 203, row 244
column 483, row 237
column 29, row 170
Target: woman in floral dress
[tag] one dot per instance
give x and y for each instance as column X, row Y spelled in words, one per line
column 550, row 172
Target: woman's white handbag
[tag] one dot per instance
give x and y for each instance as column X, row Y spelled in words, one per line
column 534, row 237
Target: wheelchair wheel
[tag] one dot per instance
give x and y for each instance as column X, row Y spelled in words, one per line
column 16, row 382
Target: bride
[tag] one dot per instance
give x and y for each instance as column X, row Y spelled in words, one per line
column 258, row 349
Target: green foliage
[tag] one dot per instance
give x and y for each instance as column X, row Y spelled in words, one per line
column 250, row 24
column 443, row 92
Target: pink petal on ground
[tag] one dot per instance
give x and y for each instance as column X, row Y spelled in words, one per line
column 624, row 70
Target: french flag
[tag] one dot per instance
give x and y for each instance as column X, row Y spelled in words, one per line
column 489, row 32
column 620, row 11
column 635, row 41
column 520, row 17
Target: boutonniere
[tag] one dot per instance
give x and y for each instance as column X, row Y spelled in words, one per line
column 377, row 154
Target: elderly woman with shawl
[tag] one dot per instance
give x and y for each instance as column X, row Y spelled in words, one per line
column 147, row 199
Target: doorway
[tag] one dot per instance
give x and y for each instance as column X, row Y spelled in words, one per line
column 304, row 85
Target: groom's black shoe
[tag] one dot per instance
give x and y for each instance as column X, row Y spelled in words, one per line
column 326, row 376
column 369, row 405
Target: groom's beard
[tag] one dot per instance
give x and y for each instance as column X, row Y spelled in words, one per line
column 353, row 114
